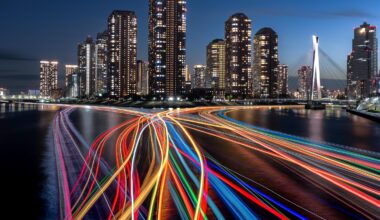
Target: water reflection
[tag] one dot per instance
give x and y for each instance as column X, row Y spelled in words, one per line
column 92, row 123
column 23, row 133
column 2, row 108
column 331, row 125
column 23, row 107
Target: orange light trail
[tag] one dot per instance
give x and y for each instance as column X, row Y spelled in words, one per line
column 158, row 154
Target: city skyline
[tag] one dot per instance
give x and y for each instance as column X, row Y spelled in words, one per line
column 190, row 109
column 14, row 77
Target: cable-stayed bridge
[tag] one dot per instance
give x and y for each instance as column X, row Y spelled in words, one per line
column 320, row 68
column 331, row 74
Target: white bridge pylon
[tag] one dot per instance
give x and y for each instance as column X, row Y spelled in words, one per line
column 316, row 79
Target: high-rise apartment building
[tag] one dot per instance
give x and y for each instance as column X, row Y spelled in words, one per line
column 101, row 60
column 143, row 77
column 71, row 81
column 305, row 74
column 216, row 66
column 86, row 68
column 48, row 77
column 187, row 74
column 265, row 71
column 73, row 91
column 282, row 80
column 69, row 70
column 238, row 33
column 362, row 63
column 167, row 47
column 188, row 80
column 199, row 77
column 122, row 54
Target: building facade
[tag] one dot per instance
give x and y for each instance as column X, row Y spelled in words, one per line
column 304, row 81
column 266, row 63
column 199, row 77
column 122, row 54
column 48, row 77
column 101, row 63
column 71, row 81
column 283, row 80
column 216, row 67
column 167, row 47
column 73, row 91
column 188, row 80
column 86, row 68
column 69, row 70
column 362, row 66
column 238, row 33
column 143, row 77
column 187, row 74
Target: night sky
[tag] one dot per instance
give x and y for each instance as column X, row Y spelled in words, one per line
column 32, row 30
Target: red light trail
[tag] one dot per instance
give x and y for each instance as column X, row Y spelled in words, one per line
column 158, row 162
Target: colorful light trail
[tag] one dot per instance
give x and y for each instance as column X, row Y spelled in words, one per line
column 160, row 169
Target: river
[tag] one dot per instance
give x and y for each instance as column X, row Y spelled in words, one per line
column 25, row 128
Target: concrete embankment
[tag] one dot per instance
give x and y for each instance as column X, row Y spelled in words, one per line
column 366, row 114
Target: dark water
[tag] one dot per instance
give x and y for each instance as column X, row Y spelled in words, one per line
column 332, row 125
column 23, row 143
column 91, row 124
column 270, row 174
column 24, row 128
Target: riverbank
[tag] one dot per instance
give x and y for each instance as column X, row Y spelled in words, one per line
column 366, row 114
column 175, row 104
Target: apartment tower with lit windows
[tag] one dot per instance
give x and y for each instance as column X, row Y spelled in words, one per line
column 101, row 63
column 305, row 74
column 265, row 71
column 71, row 81
column 238, row 33
column 362, row 63
column 48, row 77
column 122, row 54
column 143, row 77
column 199, row 77
column 86, row 67
column 283, row 76
column 216, row 66
column 167, row 47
